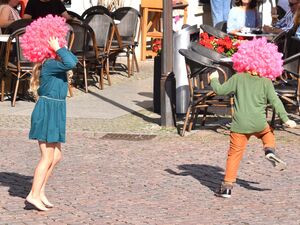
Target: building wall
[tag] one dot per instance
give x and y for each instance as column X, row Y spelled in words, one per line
column 196, row 14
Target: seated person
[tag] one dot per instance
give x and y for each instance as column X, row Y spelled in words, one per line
column 287, row 22
column 23, row 4
column 40, row 8
column 8, row 13
column 297, row 23
column 243, row 15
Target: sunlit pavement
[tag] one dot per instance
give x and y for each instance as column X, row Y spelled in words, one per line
column 128, row 170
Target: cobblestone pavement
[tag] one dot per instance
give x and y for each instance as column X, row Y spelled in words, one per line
column 149, row 175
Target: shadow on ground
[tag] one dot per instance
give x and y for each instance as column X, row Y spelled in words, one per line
column 19, row 185
column 135, row 113
column 210, row 176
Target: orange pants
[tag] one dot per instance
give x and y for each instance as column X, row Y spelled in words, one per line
column 238, row 144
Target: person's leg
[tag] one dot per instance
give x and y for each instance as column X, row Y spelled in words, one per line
column 238, row 144
column 47, row 155
column 235, row 153
column 216, row 11
column 226, row 9
column 268, row 139
column 56, row 159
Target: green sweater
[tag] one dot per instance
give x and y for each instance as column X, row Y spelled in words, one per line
column 251, row 96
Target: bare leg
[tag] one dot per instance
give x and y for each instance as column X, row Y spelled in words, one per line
column 56, row 159
column 47, row 155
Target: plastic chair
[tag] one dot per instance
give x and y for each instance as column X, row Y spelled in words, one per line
column 201, row 94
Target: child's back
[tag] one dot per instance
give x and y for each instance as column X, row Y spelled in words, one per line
column 251, row 96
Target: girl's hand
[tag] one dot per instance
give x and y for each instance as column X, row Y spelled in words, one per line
column 54, row 44
column 290, row 124
column 214, row 75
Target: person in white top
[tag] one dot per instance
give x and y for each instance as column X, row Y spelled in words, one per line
column 8, row 13
column 267, row 10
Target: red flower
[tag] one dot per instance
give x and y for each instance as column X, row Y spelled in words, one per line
column 156, row 45
column 227, row 45
column 220, row 49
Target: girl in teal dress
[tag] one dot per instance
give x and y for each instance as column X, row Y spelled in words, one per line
column 48, row 119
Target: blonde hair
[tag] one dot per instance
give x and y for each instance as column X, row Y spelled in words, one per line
column 35, row 79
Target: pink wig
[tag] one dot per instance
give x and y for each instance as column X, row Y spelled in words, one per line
column 258, row 56
column 34, row 42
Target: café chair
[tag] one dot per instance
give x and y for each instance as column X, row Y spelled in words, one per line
column 222, row 26
column 128, row 24
column 201, row 94
column 17, row 25
column 287, row 86
column 15, row 65
column 84, row 47
column 98, row 9
column 75, row 15
column 104, row 29
column 213, row 31
column 215, row 56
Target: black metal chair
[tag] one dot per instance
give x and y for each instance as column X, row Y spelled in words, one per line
column 84, row 47
column 98, row 9
column 215, row 56
column 74, row 15
column 129, row 19
column 104, row 29
column 17, row 25
column 15, row 65
column 222, row 26
column 213, row 31
column 201, row 94
column 288, row 85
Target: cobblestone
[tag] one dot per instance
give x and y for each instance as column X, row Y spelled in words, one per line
column 165, row 180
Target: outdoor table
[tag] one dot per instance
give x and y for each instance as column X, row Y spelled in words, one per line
column 226, row 60
column 269, row 36
column 4, row 37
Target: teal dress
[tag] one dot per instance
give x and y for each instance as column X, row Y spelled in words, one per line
column 48, row 119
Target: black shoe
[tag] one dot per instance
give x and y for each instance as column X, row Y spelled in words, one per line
column 274, row 159
column 224, row 191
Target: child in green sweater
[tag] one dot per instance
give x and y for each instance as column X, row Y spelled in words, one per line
column 257, row 63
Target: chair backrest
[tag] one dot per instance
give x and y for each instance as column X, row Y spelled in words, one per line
column 98, row 9
column 70, row 36
column 209, row 53
column 103, row 27
column 14, row 54
column 222, row 26
column 17, row 25
column 199, row 67
column 83, row 36
column 74, row 15
column 129, row 19
column 213, row 31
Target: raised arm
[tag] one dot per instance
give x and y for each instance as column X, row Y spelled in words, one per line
column 68, row 59
column 276, row 103
column 222, row 89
